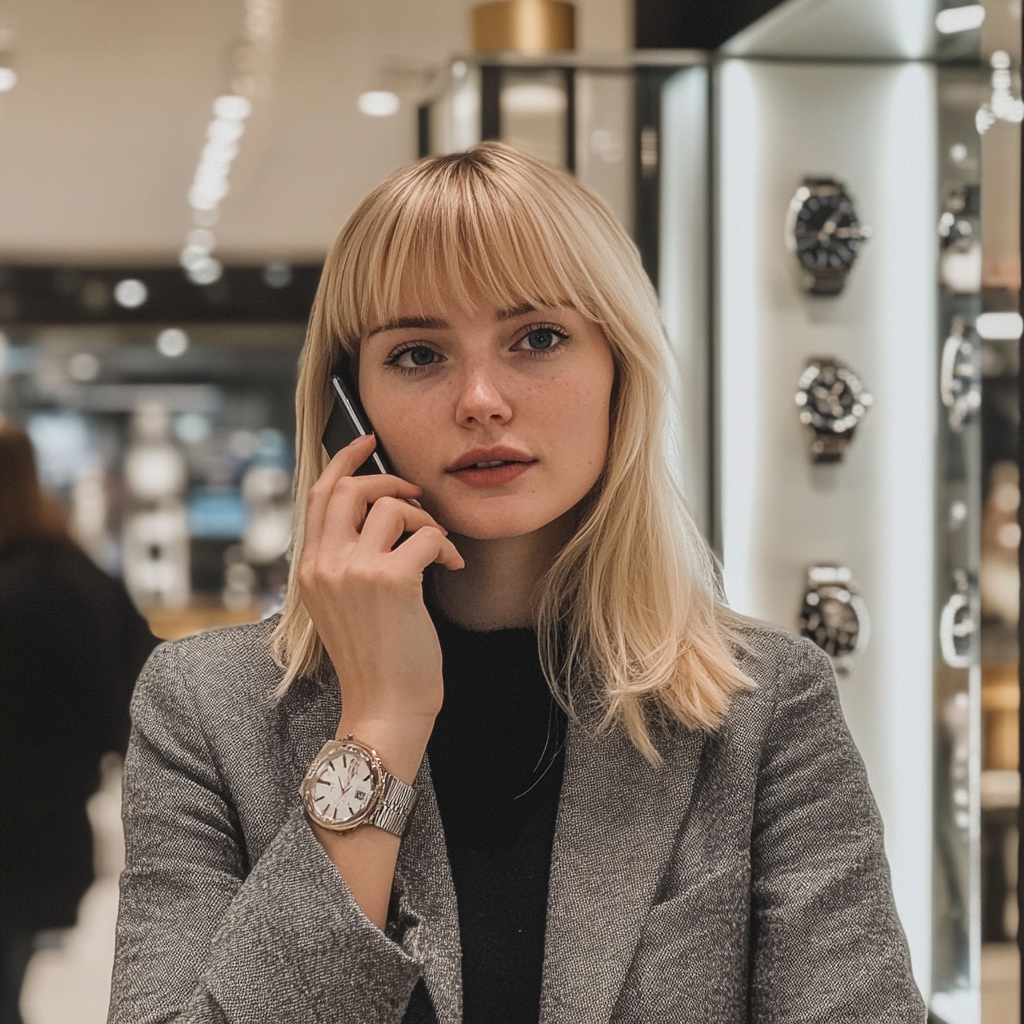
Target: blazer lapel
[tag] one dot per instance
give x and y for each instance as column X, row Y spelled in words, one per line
column 617, row 824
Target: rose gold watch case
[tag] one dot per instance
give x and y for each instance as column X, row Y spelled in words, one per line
column 330, row 750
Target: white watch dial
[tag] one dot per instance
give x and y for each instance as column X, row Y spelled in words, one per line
column 343, row 788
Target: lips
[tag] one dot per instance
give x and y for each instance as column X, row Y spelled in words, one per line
column 495, row 457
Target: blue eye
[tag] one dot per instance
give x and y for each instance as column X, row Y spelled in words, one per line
column 542, row 339
column 418, row 355
column 421, row 356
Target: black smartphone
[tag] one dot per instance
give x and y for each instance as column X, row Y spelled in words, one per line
column 348, row 421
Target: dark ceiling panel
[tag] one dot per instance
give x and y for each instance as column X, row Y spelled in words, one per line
column 696, row 24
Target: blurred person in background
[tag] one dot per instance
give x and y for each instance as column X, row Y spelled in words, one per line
column 71, row 646
column 524, row 763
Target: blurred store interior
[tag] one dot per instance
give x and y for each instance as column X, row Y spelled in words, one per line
column 172, row 176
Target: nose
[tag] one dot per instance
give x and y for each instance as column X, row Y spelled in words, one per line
column 482, row 400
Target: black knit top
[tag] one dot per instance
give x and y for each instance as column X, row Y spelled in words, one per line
column 496, row 756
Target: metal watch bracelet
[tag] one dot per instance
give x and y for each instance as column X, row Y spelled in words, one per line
column 394, row 810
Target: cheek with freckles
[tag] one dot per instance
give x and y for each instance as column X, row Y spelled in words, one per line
column 408, row 432
column 579, row 418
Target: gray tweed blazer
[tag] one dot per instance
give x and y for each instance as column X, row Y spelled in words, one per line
column 743, row 880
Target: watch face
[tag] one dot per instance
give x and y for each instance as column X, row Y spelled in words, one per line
column 826, row 232
column 960, row 231
column 831, row 397
column 960, row 376
column 830, row 617
column 341, row 790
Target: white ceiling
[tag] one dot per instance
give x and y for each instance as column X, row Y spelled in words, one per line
column 100, row 137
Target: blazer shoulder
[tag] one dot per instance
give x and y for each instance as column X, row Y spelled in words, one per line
column 777, row 661
column 230, row 669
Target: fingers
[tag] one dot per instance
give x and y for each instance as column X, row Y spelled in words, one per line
column 353, row 497
column 348, row 459
column 428, row 544
column 345, row 462
column 374, row 512
column 390, row 518
column 339, row 473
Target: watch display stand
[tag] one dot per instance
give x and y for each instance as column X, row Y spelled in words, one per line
column 856, row 91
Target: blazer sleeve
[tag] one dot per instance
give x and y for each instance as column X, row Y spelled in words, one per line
column 203, row 937
column 826, row 941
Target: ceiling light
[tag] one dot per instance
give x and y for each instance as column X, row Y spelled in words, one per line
column 378, row 103
column 205, row 271
column 232, row 108
column 172, row 342
column 8, row 79
column 130, row 293
column 959, row 19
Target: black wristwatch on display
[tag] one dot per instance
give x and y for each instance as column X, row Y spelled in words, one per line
column 823, row 232
column 960, row 254
column 832, row 401
column 834, row 616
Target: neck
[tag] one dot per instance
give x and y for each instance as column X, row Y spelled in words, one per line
column 498, row 587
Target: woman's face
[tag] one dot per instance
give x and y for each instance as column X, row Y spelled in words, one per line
column 524, row 388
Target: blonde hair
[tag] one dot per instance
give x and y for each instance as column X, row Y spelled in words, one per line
column 628, row 618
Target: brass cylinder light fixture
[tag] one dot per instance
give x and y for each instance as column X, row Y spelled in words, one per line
column 524, row 26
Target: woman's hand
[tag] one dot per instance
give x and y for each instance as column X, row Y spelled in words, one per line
column 366, row 601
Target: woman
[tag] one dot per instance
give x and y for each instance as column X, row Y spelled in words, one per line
column 686, row 833
column 71, row 645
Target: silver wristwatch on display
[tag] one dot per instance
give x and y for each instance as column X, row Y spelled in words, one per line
column 960, row 374
column 832, row 401
column 346, row 786
column 834, row 616
column 823, row 232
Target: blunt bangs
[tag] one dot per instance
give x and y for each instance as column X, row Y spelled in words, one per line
column 464, row 232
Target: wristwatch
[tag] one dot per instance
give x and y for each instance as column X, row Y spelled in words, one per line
column 834, row 616
column 346, row 786
column 960, row 375
column 960, row 255
column 832, row 401
column 957, row 625
column 823, row 232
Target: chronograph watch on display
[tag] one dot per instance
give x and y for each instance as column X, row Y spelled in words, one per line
column 346, row 786
column 832, row 401
column 834, row 616
column 823, row 232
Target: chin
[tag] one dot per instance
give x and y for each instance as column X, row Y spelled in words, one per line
column 493, row 523
column 502, row 529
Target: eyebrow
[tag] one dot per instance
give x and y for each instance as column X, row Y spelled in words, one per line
column 433, row 324
column 423, row 322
